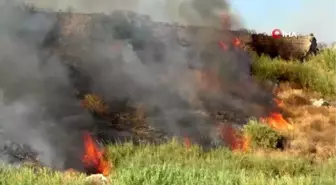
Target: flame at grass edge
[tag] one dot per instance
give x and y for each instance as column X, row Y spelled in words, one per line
column 93, row 157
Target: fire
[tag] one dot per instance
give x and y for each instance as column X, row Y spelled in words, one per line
column 278, row 101
column 276, row 121
column 235, row 140
column 236, row 42
column 187, row 142
column 93, row 158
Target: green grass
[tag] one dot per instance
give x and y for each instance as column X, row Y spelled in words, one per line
column 173, row 164
column 317, row 74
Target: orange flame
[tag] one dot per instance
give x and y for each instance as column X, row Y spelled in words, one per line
column 187, row 142
column 276, row 121
column 93, row 158
column 236, row 42
column 236, row 141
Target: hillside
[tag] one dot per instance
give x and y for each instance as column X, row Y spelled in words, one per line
column 161, row 103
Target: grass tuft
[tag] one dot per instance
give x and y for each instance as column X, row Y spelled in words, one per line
column 261, row 135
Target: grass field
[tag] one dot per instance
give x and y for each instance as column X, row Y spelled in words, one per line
column 174, row 164
column 317, row 74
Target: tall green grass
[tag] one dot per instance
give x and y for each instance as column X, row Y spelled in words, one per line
column 317, row 74
column 173, row 164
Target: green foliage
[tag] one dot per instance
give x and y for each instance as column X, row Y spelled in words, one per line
column 173, row 164
column 261, row 135
column 317, row 74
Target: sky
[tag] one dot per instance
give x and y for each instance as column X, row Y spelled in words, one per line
column 265, row 14
column 299, row 16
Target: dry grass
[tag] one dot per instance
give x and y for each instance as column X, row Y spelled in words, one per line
column 132, row 119
column 94, row 103
column 314, row 127
column 313, row 135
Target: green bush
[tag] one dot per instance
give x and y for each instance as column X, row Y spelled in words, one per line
column 261, row 135
column 317, row 74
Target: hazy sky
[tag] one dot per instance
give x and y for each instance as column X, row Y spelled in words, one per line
column 301, row 16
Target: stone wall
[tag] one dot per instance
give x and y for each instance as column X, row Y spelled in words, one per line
column 287, row 48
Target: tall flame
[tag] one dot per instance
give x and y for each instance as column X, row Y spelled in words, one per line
column 93, row 158
column 235, row 140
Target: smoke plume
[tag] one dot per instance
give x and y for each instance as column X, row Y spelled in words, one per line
column 37, row 105
column 127, row 58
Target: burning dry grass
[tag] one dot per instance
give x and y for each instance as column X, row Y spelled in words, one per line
column 173, row 164
column 93, row 158
column 236, row 140
column 308, row 131
column 312, row 133
column 314, row 130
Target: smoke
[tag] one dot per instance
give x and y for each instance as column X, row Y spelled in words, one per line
column 152, row 68
column 36, row 104
column 127, row 58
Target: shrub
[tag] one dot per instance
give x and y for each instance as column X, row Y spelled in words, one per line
column 261, row 135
